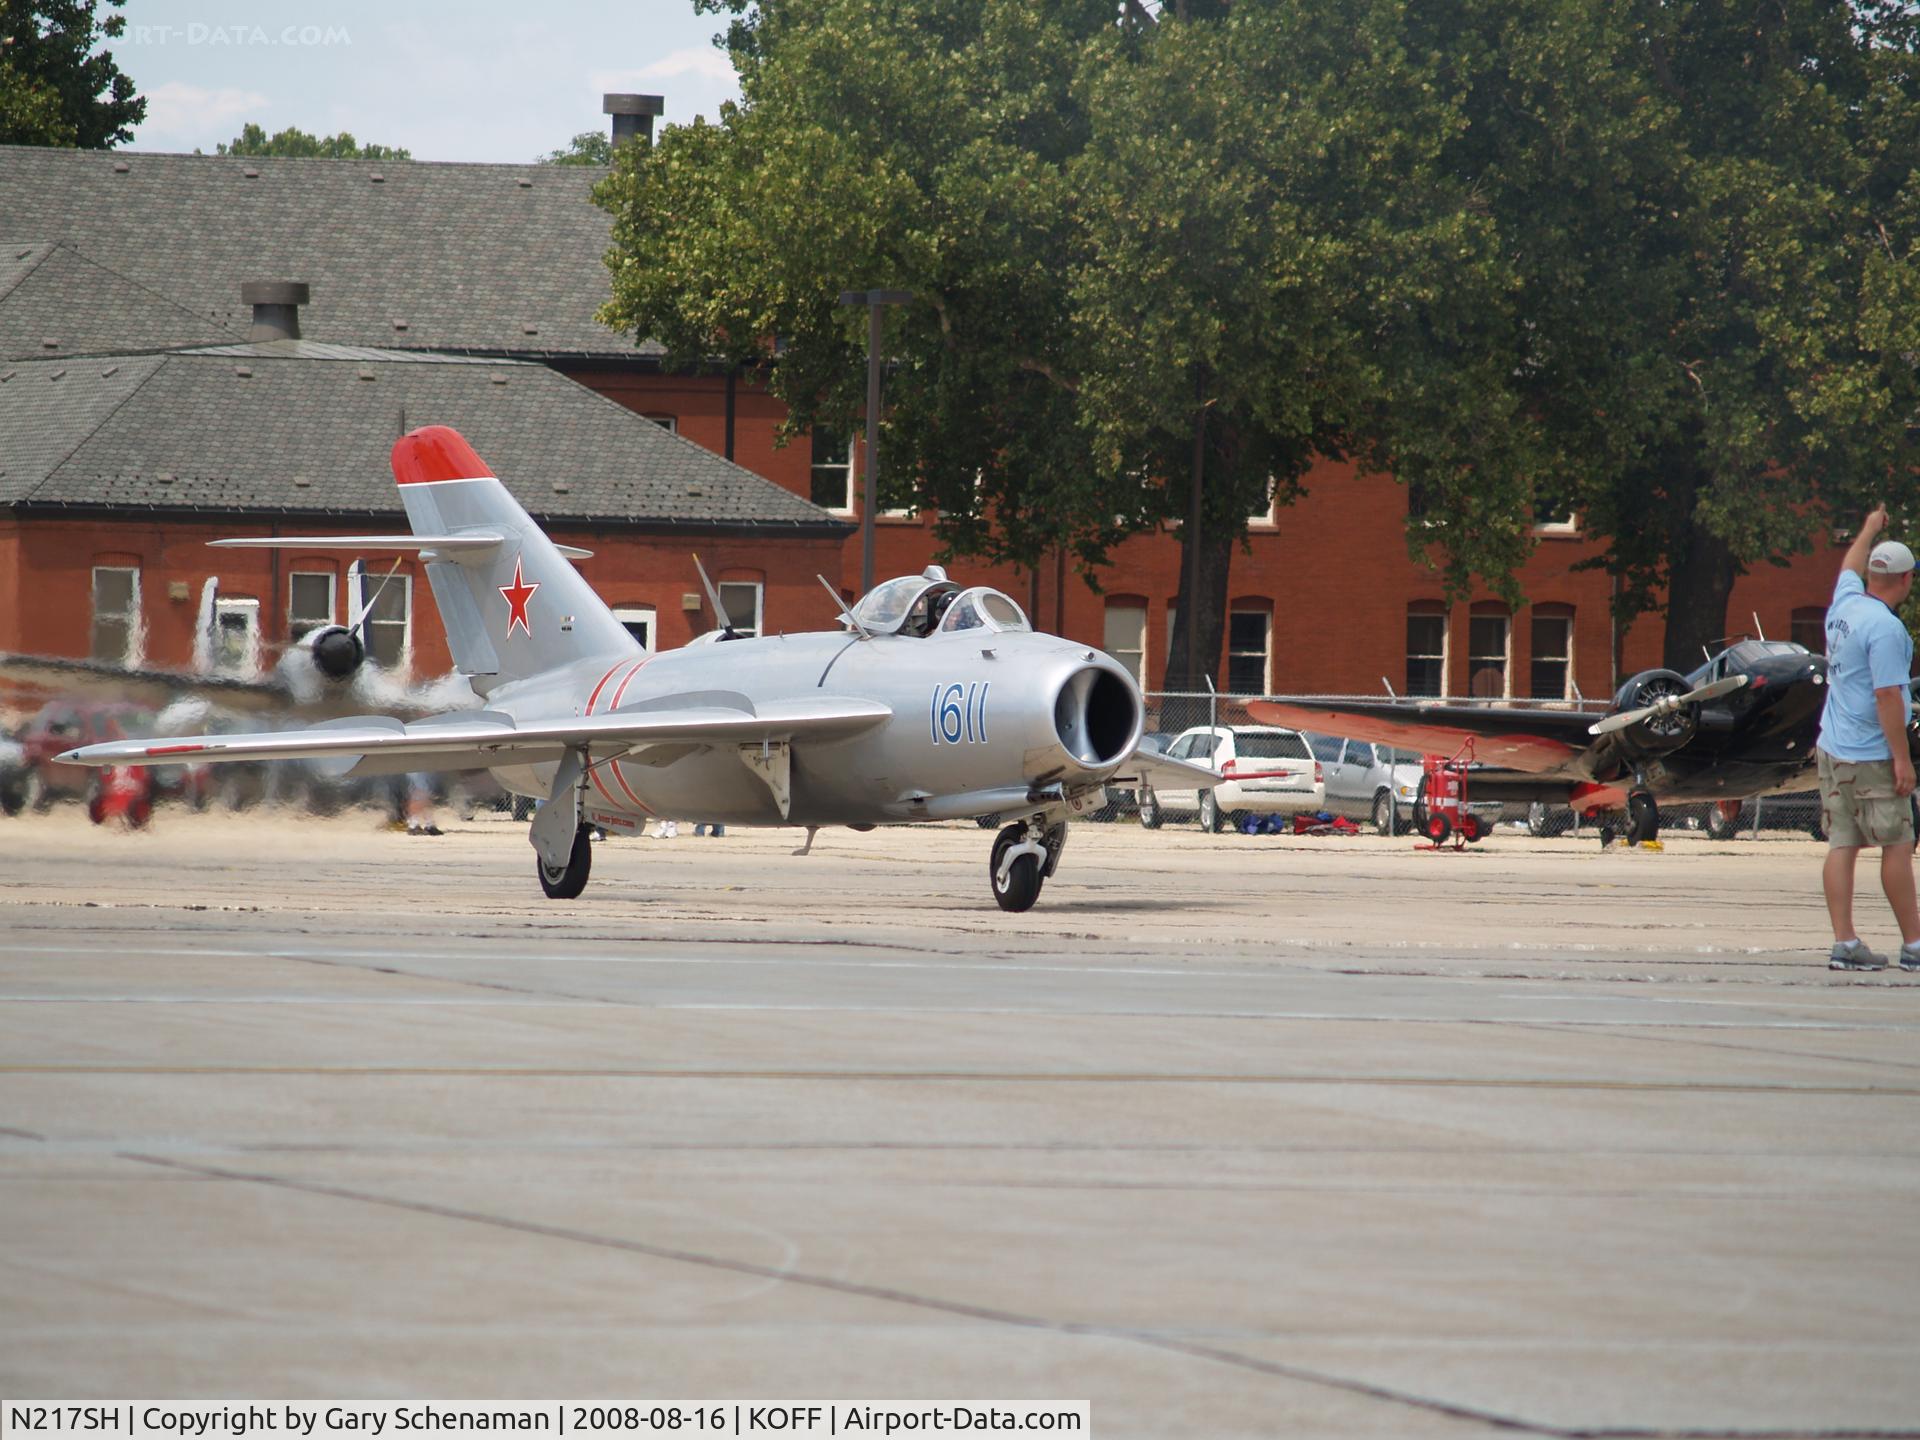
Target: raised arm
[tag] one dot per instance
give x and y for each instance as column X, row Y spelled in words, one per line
column 1863, row 542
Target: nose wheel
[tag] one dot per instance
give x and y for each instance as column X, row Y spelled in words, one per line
column 1025, row 854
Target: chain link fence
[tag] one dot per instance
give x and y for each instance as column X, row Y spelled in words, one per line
column 1170, row 712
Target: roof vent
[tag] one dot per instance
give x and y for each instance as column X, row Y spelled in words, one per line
column 276, row 308
column 251, row 173
column 633, row 115
column 120, row 167
column 47, row 342
column 377, row 178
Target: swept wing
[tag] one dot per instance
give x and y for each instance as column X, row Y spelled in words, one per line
column 476, row 739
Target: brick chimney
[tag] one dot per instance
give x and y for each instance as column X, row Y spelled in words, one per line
column 276, row 308
column 633, row 115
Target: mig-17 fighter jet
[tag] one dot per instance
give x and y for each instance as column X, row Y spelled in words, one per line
column 933, row 702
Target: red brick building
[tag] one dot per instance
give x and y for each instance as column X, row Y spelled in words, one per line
column 120, row 257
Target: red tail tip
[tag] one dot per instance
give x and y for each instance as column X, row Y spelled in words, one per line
column 435, row 452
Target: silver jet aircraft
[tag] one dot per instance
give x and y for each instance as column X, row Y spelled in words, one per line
column 935, row 702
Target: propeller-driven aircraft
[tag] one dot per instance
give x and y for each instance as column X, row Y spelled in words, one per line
column 1743, row 724
column 934, row 702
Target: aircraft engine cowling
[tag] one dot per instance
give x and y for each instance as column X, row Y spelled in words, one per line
column 336, row 651
column 1656, row 734
column 1096, row 717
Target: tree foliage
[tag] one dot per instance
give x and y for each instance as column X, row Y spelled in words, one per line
column 1653, row 263
column 56, row 86
column 589, row 147
column 294, row 143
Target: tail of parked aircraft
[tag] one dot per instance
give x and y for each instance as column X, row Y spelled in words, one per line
column 512, row 603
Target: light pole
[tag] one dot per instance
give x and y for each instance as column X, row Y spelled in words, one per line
column 873, row 300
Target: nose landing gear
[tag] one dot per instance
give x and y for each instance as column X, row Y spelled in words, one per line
column 1025, row 854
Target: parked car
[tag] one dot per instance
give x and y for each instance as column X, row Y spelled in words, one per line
column 1265, row 770
column 1360, row 781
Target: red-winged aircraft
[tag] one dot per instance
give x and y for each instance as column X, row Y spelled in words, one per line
column 1743, row 724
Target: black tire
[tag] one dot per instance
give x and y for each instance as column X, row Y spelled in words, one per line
column 567, row 882
column 1386, row 815
column 1023, row 878
column 1420, row 814
column 1643, row 818
column 13, row 799
column 1539, row 823
column 1722, row 827
column 1150, row 814
column 1211, row 820
column 1474, row 828
column 1608, row 829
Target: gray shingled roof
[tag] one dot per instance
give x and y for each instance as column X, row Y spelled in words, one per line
column 55, row 301
column 499, row 258
column 304, row 427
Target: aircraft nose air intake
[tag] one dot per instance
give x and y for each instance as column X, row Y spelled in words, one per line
column 1096, row 716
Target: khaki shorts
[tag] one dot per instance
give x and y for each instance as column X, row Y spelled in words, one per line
column 1858, row 807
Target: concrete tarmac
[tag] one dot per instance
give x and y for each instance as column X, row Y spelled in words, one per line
column 1233, row 1137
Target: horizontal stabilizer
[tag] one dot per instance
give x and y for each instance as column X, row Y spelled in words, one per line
column 495, row 739
column 472, row 540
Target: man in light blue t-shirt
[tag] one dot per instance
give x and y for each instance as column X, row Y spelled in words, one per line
column 1866, row 767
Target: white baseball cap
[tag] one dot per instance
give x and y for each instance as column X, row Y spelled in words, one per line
column 1890, row 557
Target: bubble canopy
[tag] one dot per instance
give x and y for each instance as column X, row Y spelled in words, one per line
column 930, row 603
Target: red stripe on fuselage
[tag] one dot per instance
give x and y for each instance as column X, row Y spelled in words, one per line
column 594, row 771
column 618, row 773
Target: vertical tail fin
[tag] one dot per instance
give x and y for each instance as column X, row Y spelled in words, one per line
column 511, row 609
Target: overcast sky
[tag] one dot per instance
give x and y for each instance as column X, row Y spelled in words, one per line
column 448, row 79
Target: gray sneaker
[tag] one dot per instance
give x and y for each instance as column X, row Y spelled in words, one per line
column 1910, row 956
column 1854, row 955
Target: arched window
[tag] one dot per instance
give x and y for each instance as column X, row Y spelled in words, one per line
column 1127, row 634
column 1551, row 667
column 1489, row 650
column 1250, row 647
column 1426, row 648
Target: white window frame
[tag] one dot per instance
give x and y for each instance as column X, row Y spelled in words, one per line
column 759, row 603
column 1266, row 648
column 371, row 582
column 247, row 609
column 135, row 648
column 1264, row 518
column 631, row 615
column 1505, row 657
column 668, row 423
column 1446, row 641
column 1533, row 655
column 1138, row 650
column 814, row 467
column 1567, row 529
column 299, row 625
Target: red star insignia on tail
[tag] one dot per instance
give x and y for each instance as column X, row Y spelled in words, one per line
column 517, row 595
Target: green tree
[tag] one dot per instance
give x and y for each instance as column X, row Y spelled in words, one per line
column 589, row 147
column 298, row 144
column 1709, row 215
column 56, row 86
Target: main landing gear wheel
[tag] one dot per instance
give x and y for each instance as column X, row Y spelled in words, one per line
column 1643, row 818
column 570, row 879
column 1021, row 885
column 1211, row 820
